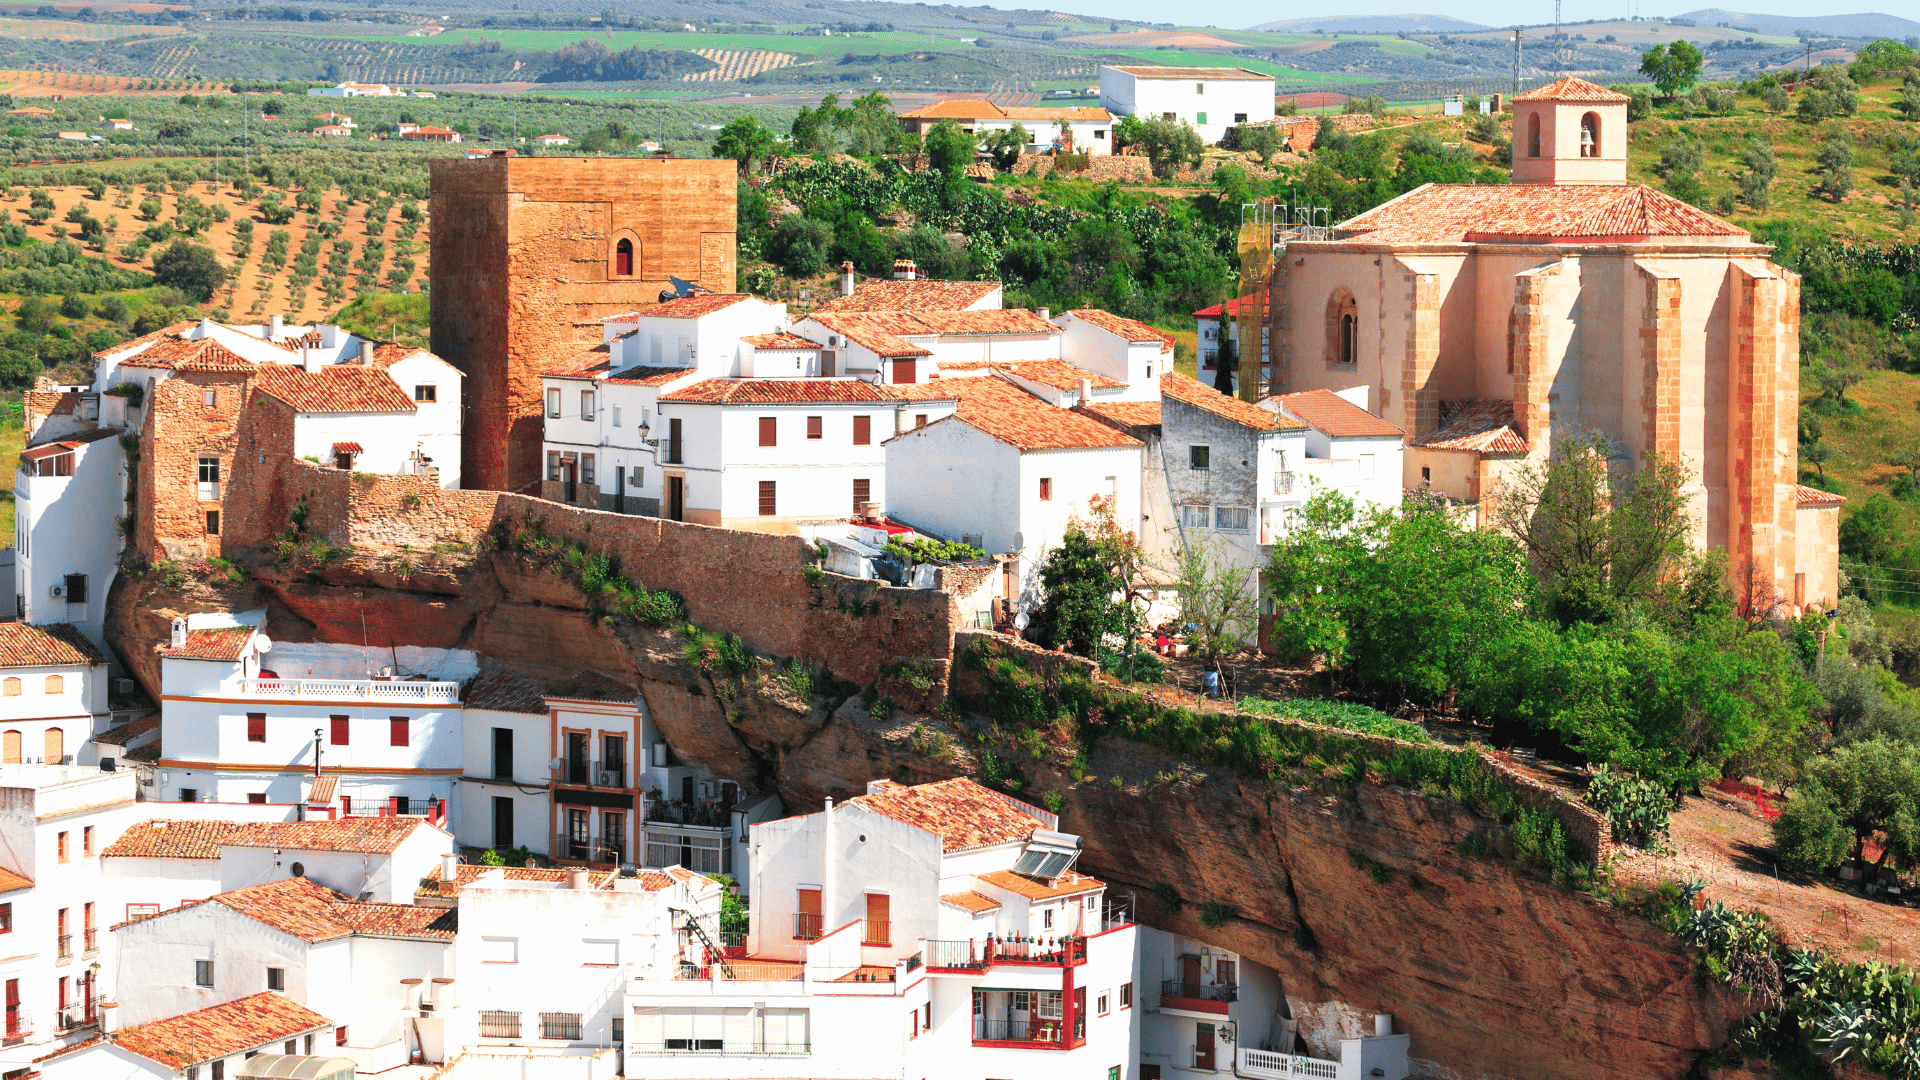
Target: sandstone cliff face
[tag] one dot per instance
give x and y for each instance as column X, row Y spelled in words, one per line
column 1360, row 899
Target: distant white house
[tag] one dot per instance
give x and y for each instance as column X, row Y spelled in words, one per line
column 353, row 89
column 1212, row 99
column 552, row 140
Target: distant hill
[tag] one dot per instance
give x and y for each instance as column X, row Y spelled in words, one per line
column 1374, row 24
column 1863, row 25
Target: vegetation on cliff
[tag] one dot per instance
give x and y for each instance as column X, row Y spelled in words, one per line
column 608, row 591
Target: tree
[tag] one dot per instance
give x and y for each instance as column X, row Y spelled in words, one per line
column 1836, row 379
column 1226, row 355
column 1680, row 162
column 1005, row 145
column 1836, row 164
column 1265, row 140
column 1088, row 584
column 1817, row 455
column 1853, row 793
column 1871, row 532
column 1216, row 601
column 1756, row 182
column 175, row 129
column 745, row 139
column 1672, row 68
column 192, row 268
column 1168, row 143
column 950, row 150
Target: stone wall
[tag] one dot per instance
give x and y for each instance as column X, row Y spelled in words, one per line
column 170, row 517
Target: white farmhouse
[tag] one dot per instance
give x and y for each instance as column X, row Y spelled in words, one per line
column 398, row 418
column 702, row 331
column 354, row 89
column 1126, row 351
column 1088, row 129
column 1210, row 99
column 69, row 493
column 937, row 930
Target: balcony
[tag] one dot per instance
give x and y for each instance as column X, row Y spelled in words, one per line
column 19, row 1024
column 756, row 971
column 594, row 850
column 74, row 1017
column 722, row 1046
column 876, row 931
column 806, row 927
column 1046, row 1034
column 403, row 692
column 675, row 812
column 971, row 956
column 584, row 772
column 90, row 941
column 1198, row 997
column 1271, row 1065
column 1283, row 483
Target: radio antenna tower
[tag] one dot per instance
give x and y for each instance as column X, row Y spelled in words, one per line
column 1562, row 54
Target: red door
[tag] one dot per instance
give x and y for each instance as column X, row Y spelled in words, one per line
column 1203, row 1046
column 13, row 1009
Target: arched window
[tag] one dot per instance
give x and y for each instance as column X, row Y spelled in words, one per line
column 623, row 258
column 10, row 748
column 1590, row 135
column 12, row 687
column 56, row 745
column 1343, row 328
column 55, row 684
column 1533, row 134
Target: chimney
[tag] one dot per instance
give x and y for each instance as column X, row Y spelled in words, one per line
column 577, row 879
column 449, row 867
column 1086, row 391
column 106, row 1016
column 366, row 353
column 179, row 636
column 846, row 278
column 442, row 994
column 904, row 270
column 1046, row 314
column 276, row 328
column 1382, row 1025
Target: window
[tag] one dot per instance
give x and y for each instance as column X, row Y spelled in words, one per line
column 767, row 501
column 55, row 684
column 1047, row 1004
column 203, row 973
column 276, row 978
column 6, row 918
column 1533, row 135
column 1199, row 457
column 1199, row 118
column 259, row 797
column 906, row 372
column 1196, row 517
column 613, row 758
column 739, row 1030
column 586, row 468
column 1046, row 489
column 213, row 523
column 502, row 822
column 769, row 431
column 586, row 404
column 188, row 794
column 559, row 1025
column 1126, row 995
column 814, row 429
column 553, row 404
column 337, row 730
column 1101, row 1003
column 499, row 950
column 1046, row 919
column 862, row 494
column 134, row 911
column 673, row 441
column 863, row 431
column 553, row 464
column 1113, row 1072
column 209, row 488
column 220, row 1070
column 12, row 687
column 399, row 731
column 703, row 854
column 340, row 1033
column 211, row 397
column 806, row 921
column 256, row 727
column 616, row 416
column 1230, row 518
column 919, row 420
column 1199, row 88
column 879, row 927
column 599, row 953
column 1239, row 118
column 426, row 392
column 62, row 845
column 623, row 258
column 639, row 477
column 76, row 588
column 1167, row 116
column 1590, row 135
column 503, row 754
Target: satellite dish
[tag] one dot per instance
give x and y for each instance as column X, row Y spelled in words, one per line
column 262, row 644
column 1020, row 621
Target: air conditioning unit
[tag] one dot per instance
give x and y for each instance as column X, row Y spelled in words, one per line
column 125, row 686
column 58, row 592
column 608, row 779
column 709, row 789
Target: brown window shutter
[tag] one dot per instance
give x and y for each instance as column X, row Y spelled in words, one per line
column 863, row 431
column 768, row 429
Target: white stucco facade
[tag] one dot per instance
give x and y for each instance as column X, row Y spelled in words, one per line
column 1212, row 100
column 69, row 494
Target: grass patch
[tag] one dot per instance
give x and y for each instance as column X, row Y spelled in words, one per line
column 1340, row 714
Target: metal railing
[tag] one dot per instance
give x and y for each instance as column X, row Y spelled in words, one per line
column 64, row 946
column 1199, row 991
column 978, row 955
column 1204, row 1057
column 438, row 693
column 876, row 931
column 386, row 808
column 594, row 850
column 19, row 1024
column 742, row 971
column 499, row 1025
column 1273, row 1065
column 1282, row 483
column 718, row 1046
column 77, row 1015
column 806, row 927
column 1033, row 1031
column 90, row 941
column 674, row 457
column 585, row 772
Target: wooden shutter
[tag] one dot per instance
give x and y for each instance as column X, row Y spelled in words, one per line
column 769, row 427
column 862, row 493
column 877, row 928
column 813, row 427
column 768, row 502
column 339, row 730
column 399, row 730
column 256, row 727
column 10, row 748
column 906, row 372
column 56, row 745
column 863, row 431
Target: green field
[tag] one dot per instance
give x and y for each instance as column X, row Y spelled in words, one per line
column 818, row 47
column 1178, row 58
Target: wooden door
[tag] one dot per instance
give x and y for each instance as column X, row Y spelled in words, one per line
column 676, row 498
column 1189, row 976
column 806, row 923
column 56, row 745
column 10, row 748
column 1203, row 1046
column 878, row 907
column 13, row 1008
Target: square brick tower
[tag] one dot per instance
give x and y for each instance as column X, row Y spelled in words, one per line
column 530, row 253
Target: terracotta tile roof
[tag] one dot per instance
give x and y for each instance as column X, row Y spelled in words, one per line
column 1198, row 74
column 467, row 873
column 1020, row 885
column 1233, row 308
column 218, row 643
column 979, row 323
column 506, row 691
column 336, row 388
column 1123, row 414
column 1055, row 373
column 1016, row 417
column 581, row 365
column 151, row 337
column 784, row 392
column 1335, row 415
column 303, row 908
column 197, row 1037
column 122, row 734
column 389, row 353
column 1131, row 330
column 182, row 839
column 1193, row 392
column 1486, row 426
column 348, row 448
column 322, row 791
column 956, row 109
column 1812, row 496
column 692, row 307
column 23, row 645
column 10, row 881
column 971, row 901
column 1444, row 213
column 649, row 376
column 360, row 835
column 1573, row 89
column 1055, row 113
column 68, row 444
column 780, row 341
column 174, row 353
column 872, row 334
column 917, row 294
column 962, row 813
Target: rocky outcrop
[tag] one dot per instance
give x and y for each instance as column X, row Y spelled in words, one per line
column 1362, row 898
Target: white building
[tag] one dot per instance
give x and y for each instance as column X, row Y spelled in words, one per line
column 1088, row 128
column 702, row 331
column 602, row 444
column 938, row 930
column 53, row 695
column 69, row 494
column 346, row 959
column 353, row 89
column 1126, row 351
column 1206, row 326
column 1007, row 471
column 552, row 140
column 216, row 1041
column 905, row 347
column 1212, row 100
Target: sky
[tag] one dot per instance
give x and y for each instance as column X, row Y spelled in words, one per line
column 1235, row 14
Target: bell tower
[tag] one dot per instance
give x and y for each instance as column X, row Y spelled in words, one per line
column 1570, row 132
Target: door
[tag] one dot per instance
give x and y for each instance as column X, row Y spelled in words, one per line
column 577, row 834
column 10, row 748
column 620, row 490
column 55, row 743
column 13, row 1009
column 569, row 476
column 503, row 754
column 676, row 497
column 502, row 822
column 1203, row 1046
column 1189, row 976
column 576, row 758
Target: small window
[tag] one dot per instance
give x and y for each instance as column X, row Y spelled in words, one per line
column 767, row 499
column 553, row 404
column 276, row 978
column 76, row 593
column 1533, row 134
column 862, row 494
column 1366, row 466
column 86, row 840
column 1126, row 995
column 203, row 973
column 814, row 430
column 338, row 730
column 1426, row 474
column 188, row 794
column 61, row 841
column 586, row 468
column 623, row 258
column 616, row 416
column 209, row 470
column 586, row 404
column 1046, row 489
column 495, row 1024
column 1046, row 919
column 134, row 911
column 1200, row 118
column 212, row 398
column 257, row 727
column 1102, row 1004
column 56, row 684
column 1239, row 118
column 919, row 420
column 399, row 731
column 553, row 464
column 769, row 431
column 1199, row 88
column 12, row 687
column 599, row 953
column 639, row 477
column 1099, row 134
column 340, row 1033
column 499, row 950
column 220, row 1070
column 1196, row 517
column 1199, row 457
column 426, row 392
column 1230, row 518
column 213, row 523
column 863, row 431
column 560, row 1025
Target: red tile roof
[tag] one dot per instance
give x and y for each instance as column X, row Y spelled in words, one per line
column 1123, row 414
column 1197, row 74
column 971, row 901
column 151, row 337
column 389, row 353
column 467, row 873
column 348, row 448
column 219, row 643
column 223, row 1030
column 303, row 908
column 507, row 691
column 336, row 388
column 1131, row 330
column 1190, row 391
column 1814, row 497
column 360, row 835
column 582, row 365
column 1233, row 308
column 68, row 444
column 22, row 645
column 1055, row 373
column 980, row 323
column 962, row 813
column 590, row 685
column 982, row 109
column 649, row 376
column 182, row 839
column 1573, row 89
column 1485, row 426
column 1067, row 885
column 872, row 334
column 174, row 353
column 917, row 294
column 786, row 392
column 692, row 307
column 1335, row 415
column 1444, row 213
column 10, row 881
column 1015, row 417
column 780, row 341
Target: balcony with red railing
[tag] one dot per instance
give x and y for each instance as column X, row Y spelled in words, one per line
column 19, row 1024
column 966, row 957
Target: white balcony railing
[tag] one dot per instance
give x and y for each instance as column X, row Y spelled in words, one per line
column 1271, row 1065
column 446, row 693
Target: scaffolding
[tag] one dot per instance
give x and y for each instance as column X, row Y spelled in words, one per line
column 1266, row 229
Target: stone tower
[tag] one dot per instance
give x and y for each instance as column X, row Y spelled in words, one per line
column 530, row 253
column 1570, row 132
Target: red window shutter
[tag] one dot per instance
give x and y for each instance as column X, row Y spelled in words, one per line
column 862, row 493
column 339, row 734
column 768, row 427
column 906, row 372
column 767, row 501
column 863, row 431
column 813, row 427
column 399, row 730
column 256, row 727
column 1046, row 488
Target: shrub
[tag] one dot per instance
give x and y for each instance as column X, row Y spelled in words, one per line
column 1640, row 811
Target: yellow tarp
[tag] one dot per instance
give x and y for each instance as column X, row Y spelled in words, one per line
column 1256, row 266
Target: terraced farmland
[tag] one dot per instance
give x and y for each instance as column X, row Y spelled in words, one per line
column 737, row 64
column 61, row 30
